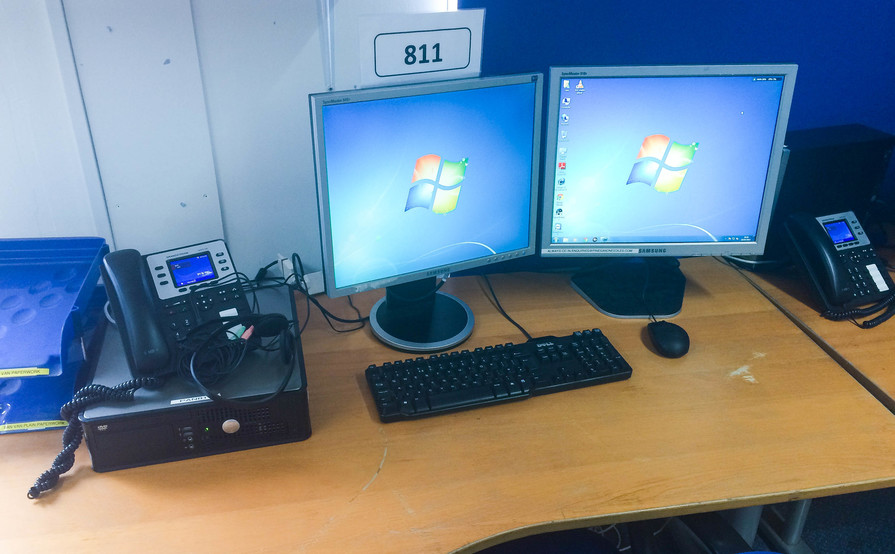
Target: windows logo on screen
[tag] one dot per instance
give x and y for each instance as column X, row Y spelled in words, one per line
column 662, row 163
column 436, row 184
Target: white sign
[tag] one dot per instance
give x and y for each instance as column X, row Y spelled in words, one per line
column 420, row 47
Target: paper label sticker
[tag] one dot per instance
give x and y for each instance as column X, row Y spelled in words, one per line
column 877, row 278
column 23, row 372
column 32, row 425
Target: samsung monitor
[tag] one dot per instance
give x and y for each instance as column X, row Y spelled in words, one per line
column 417, row 181
column 644, row 165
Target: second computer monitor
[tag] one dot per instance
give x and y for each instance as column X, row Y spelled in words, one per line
column 645, row 164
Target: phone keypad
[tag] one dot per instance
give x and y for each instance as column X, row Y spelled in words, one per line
column 856, row 261
column 184, row 313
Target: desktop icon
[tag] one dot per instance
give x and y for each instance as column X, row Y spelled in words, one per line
column 436, row 184
column 662, row 163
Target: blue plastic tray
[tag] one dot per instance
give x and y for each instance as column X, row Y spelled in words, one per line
column 50, row 315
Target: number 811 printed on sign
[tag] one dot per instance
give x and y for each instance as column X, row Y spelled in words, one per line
column 408, row 53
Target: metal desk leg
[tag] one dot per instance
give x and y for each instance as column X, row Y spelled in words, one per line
column 783, row 532
column 745, row 521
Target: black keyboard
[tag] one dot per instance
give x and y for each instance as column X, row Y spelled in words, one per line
column 449, row 382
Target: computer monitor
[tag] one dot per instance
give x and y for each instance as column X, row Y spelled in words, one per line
column 644, row 165
column 418, row 181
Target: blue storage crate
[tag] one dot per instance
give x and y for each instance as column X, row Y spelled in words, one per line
column 51, row 326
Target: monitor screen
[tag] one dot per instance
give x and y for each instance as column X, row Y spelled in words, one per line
column 422, row 180
column 663, row 161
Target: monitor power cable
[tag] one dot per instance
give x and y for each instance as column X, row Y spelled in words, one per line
column 296, row 282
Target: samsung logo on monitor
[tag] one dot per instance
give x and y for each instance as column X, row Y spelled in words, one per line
column 439, row 271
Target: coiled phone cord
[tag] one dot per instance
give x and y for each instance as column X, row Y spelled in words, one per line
column 888, row 303
column 74, row 431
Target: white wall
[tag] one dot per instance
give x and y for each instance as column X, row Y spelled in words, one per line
column 49, row 185
column 198, row 114
column 140, row 80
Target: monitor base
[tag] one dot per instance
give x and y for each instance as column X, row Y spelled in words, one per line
column 633, row 287
column 414, row 317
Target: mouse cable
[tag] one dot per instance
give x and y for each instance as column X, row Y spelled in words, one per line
column 501, row 310
column 74, row 431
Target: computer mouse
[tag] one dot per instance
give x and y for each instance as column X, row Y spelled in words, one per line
column 669, row 339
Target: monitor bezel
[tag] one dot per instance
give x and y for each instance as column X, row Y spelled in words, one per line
column 672, row 249
column 320, row 100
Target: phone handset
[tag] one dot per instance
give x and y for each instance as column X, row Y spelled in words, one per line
column 145, row 346
column 841, row 266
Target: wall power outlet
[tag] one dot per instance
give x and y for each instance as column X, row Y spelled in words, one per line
column 314, row 280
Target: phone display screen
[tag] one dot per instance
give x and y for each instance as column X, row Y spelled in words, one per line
column 839, row 231
column 193, row 269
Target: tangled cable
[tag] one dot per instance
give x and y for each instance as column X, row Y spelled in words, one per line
column 74, row 431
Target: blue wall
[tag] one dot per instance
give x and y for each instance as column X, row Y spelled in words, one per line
column 845, row 51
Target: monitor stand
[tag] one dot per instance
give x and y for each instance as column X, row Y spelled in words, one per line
column 633, row 287
column 416, row 317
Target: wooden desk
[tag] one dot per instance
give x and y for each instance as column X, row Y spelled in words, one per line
column 756, row 413
column 868, row 354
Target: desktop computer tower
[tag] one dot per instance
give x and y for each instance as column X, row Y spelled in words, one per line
column 828, row 170
column 178, row 422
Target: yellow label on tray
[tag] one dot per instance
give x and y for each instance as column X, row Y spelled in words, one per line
column 23, row 372
column 32, row 425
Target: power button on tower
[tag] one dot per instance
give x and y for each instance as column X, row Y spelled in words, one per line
column 230, row 426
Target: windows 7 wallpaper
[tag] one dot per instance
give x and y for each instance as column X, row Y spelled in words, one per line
column 428, row 181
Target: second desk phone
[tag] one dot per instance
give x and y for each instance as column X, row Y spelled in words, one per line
column 842, row 267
